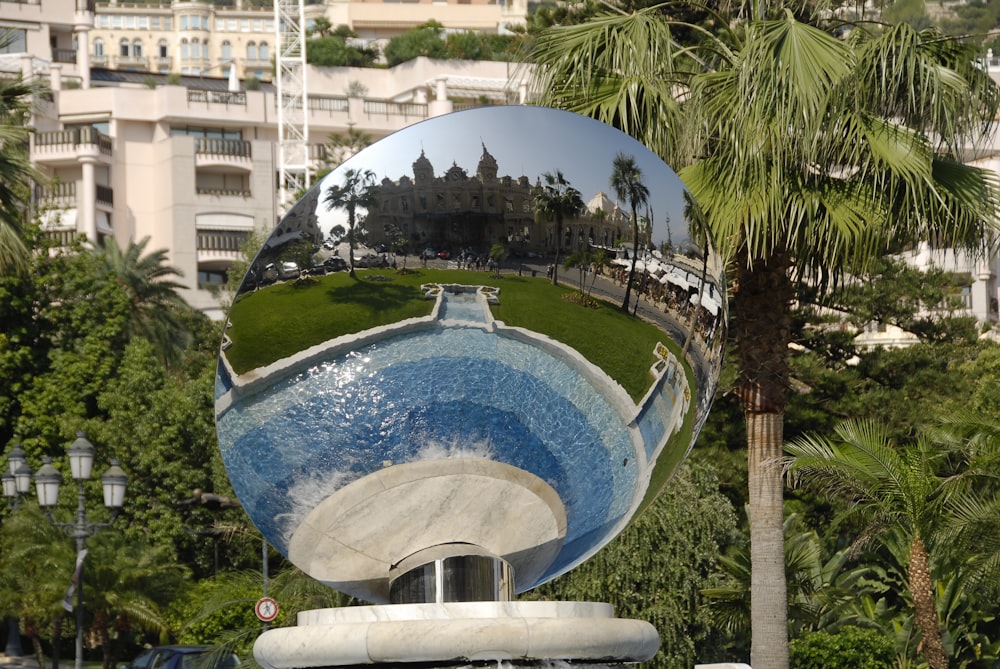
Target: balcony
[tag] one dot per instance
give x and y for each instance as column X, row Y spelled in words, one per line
column 222, row 154
column 405, row 109
column 132, row 63
column 221, row 246
column 217, row 97
column 64, row 55
column 62, row 195
column 68, row 146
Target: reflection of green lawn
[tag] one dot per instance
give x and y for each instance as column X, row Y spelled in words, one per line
column 283, row 319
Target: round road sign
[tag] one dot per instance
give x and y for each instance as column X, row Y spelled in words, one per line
column 266, row 609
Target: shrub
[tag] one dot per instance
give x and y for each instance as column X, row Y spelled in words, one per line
column 850, row 648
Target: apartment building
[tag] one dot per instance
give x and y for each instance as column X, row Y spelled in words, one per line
column 191, row 162
column 201, row 38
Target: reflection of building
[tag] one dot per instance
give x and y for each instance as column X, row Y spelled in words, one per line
column 459, row 211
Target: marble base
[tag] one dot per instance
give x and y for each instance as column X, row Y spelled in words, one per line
column 456, row 633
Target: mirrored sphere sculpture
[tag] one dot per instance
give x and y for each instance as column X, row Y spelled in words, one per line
column 404, row 382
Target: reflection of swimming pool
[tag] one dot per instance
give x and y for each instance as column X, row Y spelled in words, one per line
column 446, row 392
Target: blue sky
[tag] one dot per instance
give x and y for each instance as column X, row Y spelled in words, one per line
column 525, row 141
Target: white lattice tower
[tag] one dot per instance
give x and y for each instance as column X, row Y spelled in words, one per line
column 292, row 97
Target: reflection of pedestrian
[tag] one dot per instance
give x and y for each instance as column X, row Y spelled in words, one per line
column 548, row 271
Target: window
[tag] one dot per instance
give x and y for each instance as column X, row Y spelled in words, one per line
column 251, row 51
column 102, row 21
column 185, row 50
column 258, row 25
column 142, row 22
column 244, row 25
column 98, row 47
column 263, row 53
column 231, row 25
column 195, row 49
column 137, row 48
column 123, row 48
column 116, row 21
column 227, row 51
column 184, row 22
column 204, row 23
column 168, row 23
column 162, row 49
column 155, row 22
column 128, row 22
column 220, row 24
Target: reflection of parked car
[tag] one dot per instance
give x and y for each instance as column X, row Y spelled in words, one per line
column 184, row 657
column 428, row 254
column 288, row 270
column 371, row 260
column 443, row 255
column 335, row 264
column 270, row 274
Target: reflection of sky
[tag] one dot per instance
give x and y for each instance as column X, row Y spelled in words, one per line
column 525, row 141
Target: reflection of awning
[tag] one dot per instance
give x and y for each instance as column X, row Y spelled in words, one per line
column 675, row 279
column 707, row 303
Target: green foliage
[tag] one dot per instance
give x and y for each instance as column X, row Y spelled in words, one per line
column 849, row 648
column 656, row 568
column 424, row 40
column 334, row 51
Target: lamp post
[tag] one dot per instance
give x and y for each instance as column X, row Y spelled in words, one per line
column 47, row 482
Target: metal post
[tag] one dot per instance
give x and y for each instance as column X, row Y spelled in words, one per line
column 81, row 536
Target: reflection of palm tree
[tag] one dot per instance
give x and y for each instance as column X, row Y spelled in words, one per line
column 358, row 191
column 555, row 201
column 626, row 180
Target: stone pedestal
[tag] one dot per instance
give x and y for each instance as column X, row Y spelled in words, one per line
column 453, row 634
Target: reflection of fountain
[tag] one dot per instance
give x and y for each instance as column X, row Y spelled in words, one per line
column 433, row 461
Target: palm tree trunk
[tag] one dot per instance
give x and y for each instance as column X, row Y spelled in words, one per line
column 925, row 612
column 762, row 327
column 768, row 590
column 555, row 262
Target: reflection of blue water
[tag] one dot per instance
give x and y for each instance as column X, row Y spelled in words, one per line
column 439, row 393
column 463, row 307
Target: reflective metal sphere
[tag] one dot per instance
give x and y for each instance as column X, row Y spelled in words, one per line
column 405, row 380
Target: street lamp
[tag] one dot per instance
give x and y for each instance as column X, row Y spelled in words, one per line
column 47, row 482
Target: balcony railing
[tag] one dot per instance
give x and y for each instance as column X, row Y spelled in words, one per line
column 217, row 97
column 73, row 138
column 64, row 55
column 405, row 109
column 237, row 148
column 105, row 195
column 62, row 195
column 57, row 195
column 227, row 192
column 327, row 104
column 222, row 240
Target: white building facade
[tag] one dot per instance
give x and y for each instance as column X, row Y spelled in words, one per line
column 133, row 153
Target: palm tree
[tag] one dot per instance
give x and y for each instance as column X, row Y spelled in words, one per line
column 128, row 586
column 910, row 492
column 810, row 156
column 16, row 172
column 358, row 190
column 157, row 311
column 626, row 181
column 556, row 200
